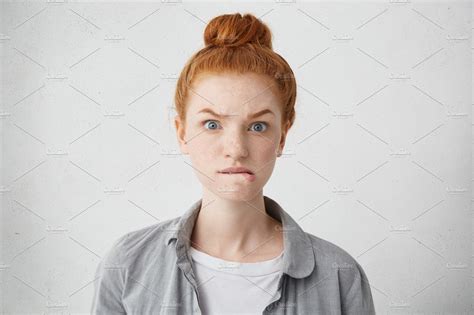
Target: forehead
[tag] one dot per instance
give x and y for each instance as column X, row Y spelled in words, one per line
column 233, row 92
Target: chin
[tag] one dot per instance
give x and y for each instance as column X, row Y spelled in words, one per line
column 236, row 195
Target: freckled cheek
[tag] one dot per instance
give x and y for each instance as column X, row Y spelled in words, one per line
column 264, row 151
column 202, row 149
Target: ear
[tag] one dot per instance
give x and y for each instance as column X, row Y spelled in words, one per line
column 283, row 139
column 180, row 134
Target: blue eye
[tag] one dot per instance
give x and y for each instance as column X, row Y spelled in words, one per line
column 212, row 121
column 260, row 128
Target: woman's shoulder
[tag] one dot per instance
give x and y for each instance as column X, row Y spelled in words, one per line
column 331, row 257
column 347, row 274
column 133, row 244
column 325, row 249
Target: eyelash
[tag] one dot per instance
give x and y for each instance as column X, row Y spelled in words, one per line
column 257, row 122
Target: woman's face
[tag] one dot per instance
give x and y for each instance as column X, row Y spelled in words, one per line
column 222, row 131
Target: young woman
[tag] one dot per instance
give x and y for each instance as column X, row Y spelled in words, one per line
column 234, row 251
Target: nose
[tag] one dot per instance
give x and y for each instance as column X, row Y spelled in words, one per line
column 235, row 145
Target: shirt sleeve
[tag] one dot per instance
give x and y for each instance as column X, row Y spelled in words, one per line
column 358, row 297
column 109, row 282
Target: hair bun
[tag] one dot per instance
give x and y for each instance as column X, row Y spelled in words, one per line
column 232, row 30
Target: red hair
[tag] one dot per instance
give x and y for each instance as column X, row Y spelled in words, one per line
column 239, row 44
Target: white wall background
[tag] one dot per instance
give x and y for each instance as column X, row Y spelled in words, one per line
column 378, row 161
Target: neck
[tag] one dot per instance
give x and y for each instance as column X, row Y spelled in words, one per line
column 236, row 230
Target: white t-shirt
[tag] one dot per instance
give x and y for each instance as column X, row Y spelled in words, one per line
column 227, row 287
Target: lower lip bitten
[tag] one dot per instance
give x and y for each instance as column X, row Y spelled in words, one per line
column 249, row 177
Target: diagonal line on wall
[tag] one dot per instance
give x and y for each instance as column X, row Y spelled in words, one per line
column 82, row 93
column 314, row 19
column 85, row 210
column 82, row 59
column 304, row 63
column 261, row 16
column 434, row 175
column 143, row 19
column 197, row 17
column 31, row 135
column 43, row 219
column 82, row 169
column 312, row 210
column 428, row 19
column 84, row 286
column 419, row 63
column 429, row 285
column 146, row 169
column 136, row 205
column 30, row 18
column 28, row 248
column 427, row 94
column 21, row 100
column 371, row 133
column 85, row 133
column 370, row 248
column 430, row 132
column 373, row 58
column 371, row 19
column 372, row 210
column 309, row 168
column 143, row 94
column 29, row 286
column 36, row 62
column 28, row 171
column 429, row 248
column 311, row 93
column 141, row 132
column 427, row 210
column 371, row 95
column 138, row 54
column 358, row 180
column 85, row 247
column 87, row 20
column 306, row 138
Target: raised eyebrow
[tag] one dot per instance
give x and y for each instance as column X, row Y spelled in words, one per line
column 261, row 113
column 257, row 114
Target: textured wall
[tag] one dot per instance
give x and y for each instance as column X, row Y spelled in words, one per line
column 378, row 161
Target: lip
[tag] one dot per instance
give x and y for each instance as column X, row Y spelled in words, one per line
column 247, row 176
column 238, row 169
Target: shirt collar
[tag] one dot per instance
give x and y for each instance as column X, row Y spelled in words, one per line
column 298, row 257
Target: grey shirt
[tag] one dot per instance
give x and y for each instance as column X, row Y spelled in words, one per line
column 150, row 271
